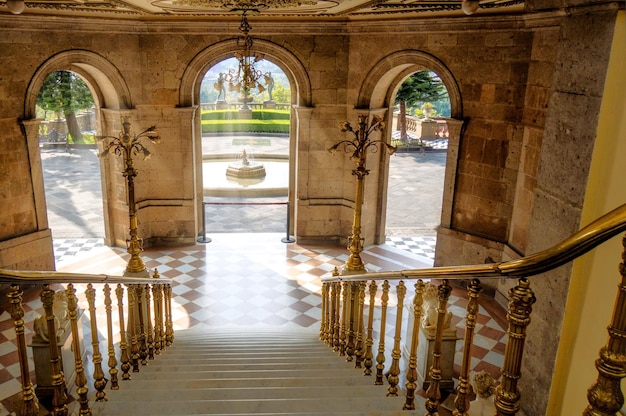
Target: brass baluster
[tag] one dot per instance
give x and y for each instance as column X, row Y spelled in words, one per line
column 59, row 399
column 521, row 299
column 368, row 356
column 158, row 316
column 331, row 315
column 124, row 357
column 464, row 389
column 111, row 348
column 29, row 404
column 169, row 323
column 358, row 343
column 350, row 330
column 81, row 378
column 163, row 315
column 337, row 318
column 149, row 337
column 324, row 321
column 380, row 357
column 433, row 394
column 159, row 319
column 132, row 330
column 344, row 319
column 98, row 375
column 143, row 346
column 394, row 370
column 411, row 374
column 605, row 395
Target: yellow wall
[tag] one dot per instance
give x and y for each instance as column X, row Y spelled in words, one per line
column 595, row 275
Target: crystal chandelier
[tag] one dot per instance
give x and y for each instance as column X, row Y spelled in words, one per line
column 246, row 77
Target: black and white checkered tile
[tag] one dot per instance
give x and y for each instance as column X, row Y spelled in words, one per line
column 65, row 249
column 422, row 246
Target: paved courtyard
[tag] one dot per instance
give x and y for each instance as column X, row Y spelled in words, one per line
column 74, row 193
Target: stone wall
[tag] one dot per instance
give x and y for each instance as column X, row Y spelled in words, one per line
column 570, row 130
column 529, row 92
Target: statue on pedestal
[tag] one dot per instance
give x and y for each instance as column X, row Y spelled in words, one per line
column 484, row 386
column 59, row 308
column 219, row 86
column 429, row 309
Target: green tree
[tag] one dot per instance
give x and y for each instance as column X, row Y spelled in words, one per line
column 66, row 92
column 422, row 86
column 281, row 94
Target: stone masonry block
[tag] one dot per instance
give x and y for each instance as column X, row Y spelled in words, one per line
column 567, row 146
column 583, row 54
column 442, row 39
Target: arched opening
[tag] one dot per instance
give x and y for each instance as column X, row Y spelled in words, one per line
column 299, row 97
column 417, row 171
column 72, row 184
column 245, row 148
column 379, row 91
column 109, row 91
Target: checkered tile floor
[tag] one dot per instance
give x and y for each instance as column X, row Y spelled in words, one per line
column 422, row 246
column 249, row 280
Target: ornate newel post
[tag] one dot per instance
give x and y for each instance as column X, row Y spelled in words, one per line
column 129, row 145
column 359, row 146
column 507, row 398
column 605, row 395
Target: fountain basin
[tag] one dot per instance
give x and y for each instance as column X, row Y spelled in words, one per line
column 216, row 181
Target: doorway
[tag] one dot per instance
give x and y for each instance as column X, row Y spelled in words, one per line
column 70, row 164
column 416, row 171
column 245, row 150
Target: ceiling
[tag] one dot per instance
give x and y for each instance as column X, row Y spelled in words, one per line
column 329, row 9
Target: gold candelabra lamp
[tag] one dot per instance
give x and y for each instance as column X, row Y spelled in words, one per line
column 358, row 146
column 128, row 145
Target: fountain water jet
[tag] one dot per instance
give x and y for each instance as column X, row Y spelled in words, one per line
column 245, row 168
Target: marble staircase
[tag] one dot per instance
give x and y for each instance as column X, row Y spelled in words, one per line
column 242, row 371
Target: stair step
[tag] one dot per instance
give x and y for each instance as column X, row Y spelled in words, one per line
column 325, row 356
column 210, row 358
column 251, row 406
column 233, row 350
column 270, row 373
column 248, row 366
column 235, row 382
column 243, row 392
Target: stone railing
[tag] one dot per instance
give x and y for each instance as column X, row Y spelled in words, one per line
column 423, row 129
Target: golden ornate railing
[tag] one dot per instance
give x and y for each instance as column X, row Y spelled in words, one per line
column 149, row 329
column 343, row 318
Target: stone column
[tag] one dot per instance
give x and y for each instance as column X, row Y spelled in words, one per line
column 452, row 159
column 31, row 129
column 299, row 166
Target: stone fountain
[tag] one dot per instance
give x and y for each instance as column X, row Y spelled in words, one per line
column 244, row 168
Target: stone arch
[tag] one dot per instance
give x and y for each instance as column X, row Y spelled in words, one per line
column 108, row 85
column 190, row 83
column 376, row 91
column 301, row 95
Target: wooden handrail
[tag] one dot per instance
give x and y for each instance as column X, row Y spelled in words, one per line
column 589, row 237
column 49, row 277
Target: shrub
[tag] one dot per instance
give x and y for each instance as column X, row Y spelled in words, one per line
column 256, row 115
column 245, row 126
